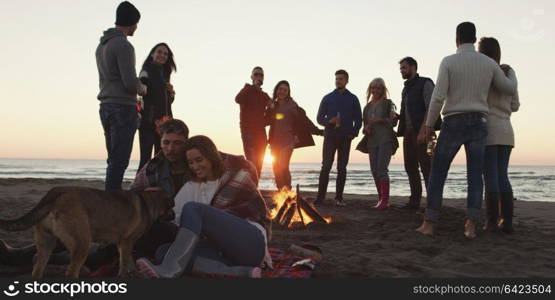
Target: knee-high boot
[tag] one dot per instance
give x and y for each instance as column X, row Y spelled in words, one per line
column 508, row 210
column 384, row 197
column 176, row 259
column 492, row 211
column 377, row 183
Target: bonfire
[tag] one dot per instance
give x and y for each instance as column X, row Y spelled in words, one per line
column 291, row 210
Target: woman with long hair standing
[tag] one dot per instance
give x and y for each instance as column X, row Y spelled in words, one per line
column 499, row 144
column 290, row 128
column 155, row 73
column 381, row 142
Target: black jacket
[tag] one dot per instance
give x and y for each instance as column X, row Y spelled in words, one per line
column 303, row 127
column 412, row 92
column 157, row 102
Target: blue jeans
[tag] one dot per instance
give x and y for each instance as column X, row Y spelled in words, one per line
column 120, row 123
column 470, row 130
column 239, row 242
column 496, row 169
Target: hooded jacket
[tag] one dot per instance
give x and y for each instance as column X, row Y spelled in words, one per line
column 115, row 60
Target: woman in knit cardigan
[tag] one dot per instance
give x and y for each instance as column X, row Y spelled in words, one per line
column 499, row 144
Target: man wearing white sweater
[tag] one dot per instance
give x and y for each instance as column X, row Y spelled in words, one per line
column 462, row 87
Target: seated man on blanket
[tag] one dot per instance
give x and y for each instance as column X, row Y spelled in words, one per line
column 224, row 223
column 165, row 171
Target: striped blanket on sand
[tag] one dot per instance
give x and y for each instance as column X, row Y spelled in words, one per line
column 282, row 260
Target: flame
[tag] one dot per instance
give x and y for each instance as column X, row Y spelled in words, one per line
column 300, row 218
column 278, row 200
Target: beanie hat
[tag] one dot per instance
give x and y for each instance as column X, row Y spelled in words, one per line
column 127, row 14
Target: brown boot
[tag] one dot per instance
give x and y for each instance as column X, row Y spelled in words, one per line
column 508, row 211
column 492, row 211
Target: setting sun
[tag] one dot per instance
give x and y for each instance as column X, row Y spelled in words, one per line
column 268, row 158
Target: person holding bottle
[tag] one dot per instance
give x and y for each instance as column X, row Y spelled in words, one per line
column 416, row 95
column 341, row 115
column 380, row 139
column 460, row 95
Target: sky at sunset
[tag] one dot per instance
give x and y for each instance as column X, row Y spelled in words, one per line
column 49, row 80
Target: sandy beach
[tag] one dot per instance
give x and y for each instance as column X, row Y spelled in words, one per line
column 365, row 243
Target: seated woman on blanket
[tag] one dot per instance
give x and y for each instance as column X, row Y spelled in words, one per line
column 223, row 220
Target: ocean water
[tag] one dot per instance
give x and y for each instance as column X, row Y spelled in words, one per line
column 533, row 183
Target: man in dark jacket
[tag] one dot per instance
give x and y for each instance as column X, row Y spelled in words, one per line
column 416, row 97
column 253, row 102
column 119, row 86
column 341, row 115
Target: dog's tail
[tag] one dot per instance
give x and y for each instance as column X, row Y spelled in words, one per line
column 36, row 214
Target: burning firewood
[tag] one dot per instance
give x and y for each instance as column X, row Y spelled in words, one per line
column 310, row 211
column 293, row 211
column 283, row 209
column 286, row 220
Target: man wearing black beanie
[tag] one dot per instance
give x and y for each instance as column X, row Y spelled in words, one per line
column 127, row 14
column 119, row 86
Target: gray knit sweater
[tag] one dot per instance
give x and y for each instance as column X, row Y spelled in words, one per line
column 463, row 83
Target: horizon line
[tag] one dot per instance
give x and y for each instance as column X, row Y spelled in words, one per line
column 300, row 162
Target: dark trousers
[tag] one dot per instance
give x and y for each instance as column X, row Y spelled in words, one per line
column 470, row 130
column 341, row 144
column 415, row 157
column 148, row 138
column 254, row 145
column 496, row 169
column 119, row 123
column 282, row 158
